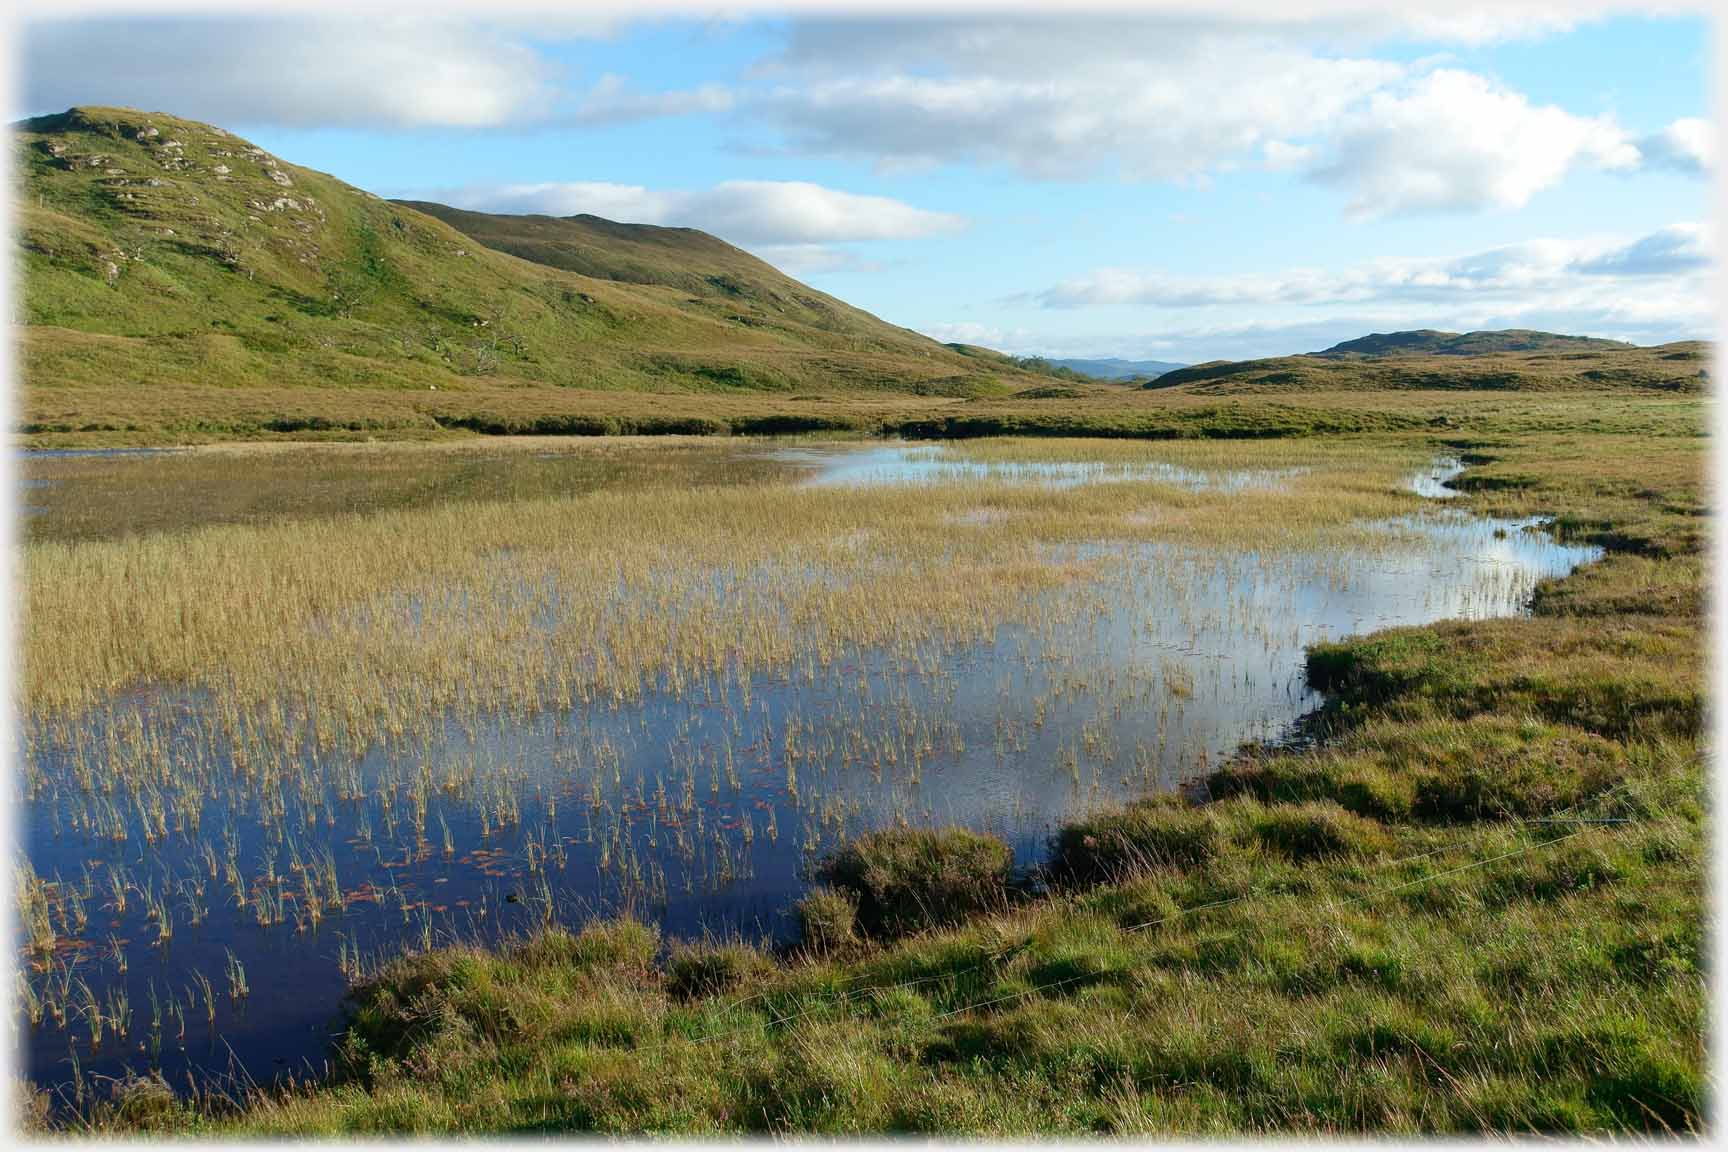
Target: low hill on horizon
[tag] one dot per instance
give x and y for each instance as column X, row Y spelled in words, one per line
column 1432, row 342
column 1519, row 360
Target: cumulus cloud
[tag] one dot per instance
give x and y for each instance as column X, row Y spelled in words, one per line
column 1540, row 273
column 380, row 71
column 1680, row 249
column 1687, row 145
column 1186, row 94
column 1157, row 106
column 1455, row 140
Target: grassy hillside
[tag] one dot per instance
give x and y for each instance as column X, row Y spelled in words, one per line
column 1468, row 365
column 723, row 283
column 158, row 253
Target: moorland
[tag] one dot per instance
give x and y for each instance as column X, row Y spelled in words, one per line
column 1006, row 752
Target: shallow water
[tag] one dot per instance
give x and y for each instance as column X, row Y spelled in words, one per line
column 702, row 805
column 1435, row 481
column 902, row 463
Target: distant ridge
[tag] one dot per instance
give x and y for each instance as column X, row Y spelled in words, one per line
column 1512, row 360
column 1432, row 342
column 1114, row 368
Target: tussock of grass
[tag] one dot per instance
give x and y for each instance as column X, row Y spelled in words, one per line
column 828, row 919
column 906, row 879
column 1147, row 834
column 698, row 970
column 1482, row 767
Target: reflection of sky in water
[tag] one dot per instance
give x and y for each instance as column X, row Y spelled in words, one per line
column 1434, row 481
column 93, row 453
column 936, row 463
column 703, row 810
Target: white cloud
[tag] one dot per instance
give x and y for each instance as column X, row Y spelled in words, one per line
column 1281, row 156
column 1688, row 145
column 747, row 212
column 969, row 332
column 381, row 70
column 1159, row 108
column 1454, row 140
column 1682, row 248
column 1535, row 271
column 1181, row 95
column 611, row 101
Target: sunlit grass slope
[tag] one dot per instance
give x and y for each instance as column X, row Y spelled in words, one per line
column 163, row 254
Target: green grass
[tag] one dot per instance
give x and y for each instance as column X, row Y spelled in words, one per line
column 1401, row 929
column 905, row 879
column 188, row 265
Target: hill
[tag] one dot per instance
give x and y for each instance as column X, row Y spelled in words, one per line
column 171, row 267
column 732, row 285
column 1512, row 361
column 1429, row 342
column 1112, row 368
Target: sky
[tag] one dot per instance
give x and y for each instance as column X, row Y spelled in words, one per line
column 1172, row 183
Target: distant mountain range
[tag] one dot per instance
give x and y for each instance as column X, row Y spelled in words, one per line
column 1113, row 368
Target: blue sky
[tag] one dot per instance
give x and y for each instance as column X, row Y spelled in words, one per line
column 1164, row 185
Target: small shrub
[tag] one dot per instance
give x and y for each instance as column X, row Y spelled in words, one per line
column 623, row 943
column 828, row 919
column 699, row 970
column 1316, row 831
column 906, row 879
column 145, row 1103
column 1161, row 833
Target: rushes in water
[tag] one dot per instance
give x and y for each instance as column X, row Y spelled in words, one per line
column 236, row 977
